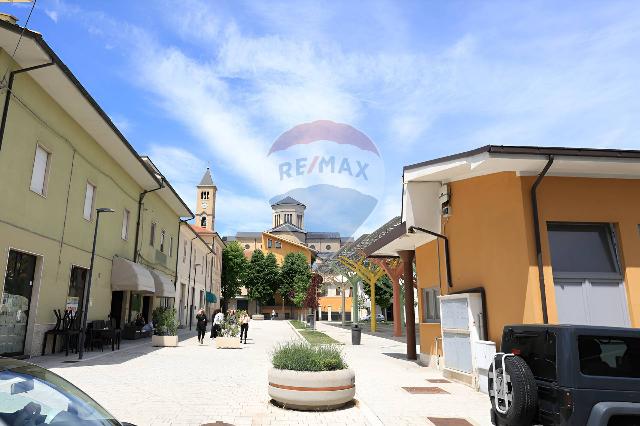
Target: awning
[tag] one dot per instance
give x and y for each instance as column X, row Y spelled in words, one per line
column 130, row 276
column 164, row 285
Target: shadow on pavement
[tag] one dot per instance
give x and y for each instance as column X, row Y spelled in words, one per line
column 129, row 349
column 384, row 330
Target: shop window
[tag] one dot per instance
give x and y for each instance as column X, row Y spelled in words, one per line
column 430, row 304
column 40, row 171
column 76, row 288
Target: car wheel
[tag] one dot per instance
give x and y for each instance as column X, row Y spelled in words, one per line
column 520, row 401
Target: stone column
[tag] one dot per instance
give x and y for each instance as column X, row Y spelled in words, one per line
column 407, row 261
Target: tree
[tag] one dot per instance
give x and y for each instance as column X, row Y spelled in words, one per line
column 384, row 293
column 295, row 277
column 233, row 270
column 261, row 277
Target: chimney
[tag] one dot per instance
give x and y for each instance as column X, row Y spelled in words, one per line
column 8, row 18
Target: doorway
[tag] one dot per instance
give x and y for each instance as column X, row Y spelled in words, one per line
column 146, row 303
column 16, row 302
column 587, row 274
column 116, row 306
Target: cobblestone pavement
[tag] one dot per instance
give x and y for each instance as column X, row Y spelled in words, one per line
column 195, row 385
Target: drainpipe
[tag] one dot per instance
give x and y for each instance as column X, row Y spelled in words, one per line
column 413, row 229
column 536, row 232
column 180, row 222
column 5, row 110
column 140, row 199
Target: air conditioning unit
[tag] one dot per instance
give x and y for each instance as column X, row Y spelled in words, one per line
column 462, row 320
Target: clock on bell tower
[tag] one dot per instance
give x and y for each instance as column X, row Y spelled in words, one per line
column 206, row 202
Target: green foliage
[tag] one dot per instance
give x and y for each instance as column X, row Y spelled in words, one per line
column 295, row 278
column 301, row 356
column 298, row 324
column 230, row 326
column 317, row 337
column 164, row 321
column 384, row 291
column 261, row 277
column 233, row 270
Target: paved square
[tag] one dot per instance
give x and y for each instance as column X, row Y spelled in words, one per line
column 195, row 385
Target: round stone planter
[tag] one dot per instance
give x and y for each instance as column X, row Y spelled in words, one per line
column 168, row 341
column 312, row 390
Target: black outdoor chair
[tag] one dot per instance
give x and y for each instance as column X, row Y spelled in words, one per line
column 56, row 331
column 97, row 334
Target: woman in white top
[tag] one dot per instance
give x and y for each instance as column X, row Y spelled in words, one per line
column 244, row 326
column 218, row 317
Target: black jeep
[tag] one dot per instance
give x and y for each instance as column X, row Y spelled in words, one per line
column 566, row 375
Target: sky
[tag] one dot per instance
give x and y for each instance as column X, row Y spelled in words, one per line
column 196, row 84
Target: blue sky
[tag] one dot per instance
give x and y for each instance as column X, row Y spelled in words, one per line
column 197, row 83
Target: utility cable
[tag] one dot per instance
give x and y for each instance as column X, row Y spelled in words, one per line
column 33, row 6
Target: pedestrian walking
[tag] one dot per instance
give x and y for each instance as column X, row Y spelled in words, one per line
column 244, row 326
column 273, row 314
column 217, row 319
column 202, row 325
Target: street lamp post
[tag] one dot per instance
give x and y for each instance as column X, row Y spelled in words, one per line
column 87, row 289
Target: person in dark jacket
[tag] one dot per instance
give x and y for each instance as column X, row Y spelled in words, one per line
column 202, row 325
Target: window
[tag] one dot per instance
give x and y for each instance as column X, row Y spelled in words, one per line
column 76, row 288
column 338, row 291
column 125, row 224
column 430, row 304
column 40, row 171
column 170, row 245
column 162, row 235
column 152, row 234
column 328, row 247
column 89, row 197
column 204, row 195
column 299, row 221
column 287, row 217
column 596, row 251
column 278, row 244
column 246, row 246
column 203, row 221
column 312, row 246
column 184, row 251
column 609, row 356
column 269, row 243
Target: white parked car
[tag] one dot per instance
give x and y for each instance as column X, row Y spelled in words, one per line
column 379, row 317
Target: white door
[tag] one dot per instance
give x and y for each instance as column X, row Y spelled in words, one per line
column 587, row 275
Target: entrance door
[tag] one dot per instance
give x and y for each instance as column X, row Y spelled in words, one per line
column 116, row 306
column 587, row 275
column 16, row 301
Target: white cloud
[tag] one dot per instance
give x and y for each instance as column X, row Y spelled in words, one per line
column 52, row 14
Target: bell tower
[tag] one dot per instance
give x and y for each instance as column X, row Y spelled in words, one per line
column 206, row 202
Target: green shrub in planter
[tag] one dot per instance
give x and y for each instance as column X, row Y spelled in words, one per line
column 301, row 356
column 164, row 321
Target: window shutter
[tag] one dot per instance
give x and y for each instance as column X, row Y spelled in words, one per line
column 39, row 170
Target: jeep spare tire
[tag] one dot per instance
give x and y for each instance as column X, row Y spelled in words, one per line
column 521, row 398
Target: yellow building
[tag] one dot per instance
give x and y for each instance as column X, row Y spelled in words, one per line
column 544, row 234
column 61, row 158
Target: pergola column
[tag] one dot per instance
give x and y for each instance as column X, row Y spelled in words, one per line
column 407, row 261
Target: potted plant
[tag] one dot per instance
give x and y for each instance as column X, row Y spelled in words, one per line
column 229, row 332
column 306, row 377
column 165, row 331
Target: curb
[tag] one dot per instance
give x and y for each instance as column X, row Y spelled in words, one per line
column 296, row 331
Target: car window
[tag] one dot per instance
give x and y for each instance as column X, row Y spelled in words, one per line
column 538, row 349
column 31, row 395
column 609, row 356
